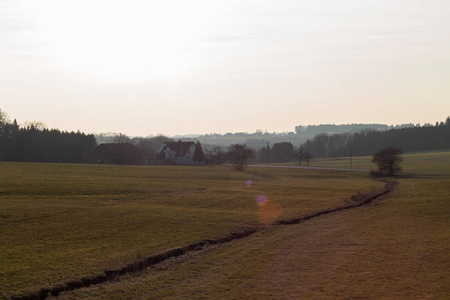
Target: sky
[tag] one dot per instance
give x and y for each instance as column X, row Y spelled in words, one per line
column 193, row 67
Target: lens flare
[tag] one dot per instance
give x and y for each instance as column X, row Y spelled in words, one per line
column 269, row 212
column 261, row 200
column 248, row 182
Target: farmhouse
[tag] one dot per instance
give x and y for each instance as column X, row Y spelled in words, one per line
column 181, row 153
column 118, row 153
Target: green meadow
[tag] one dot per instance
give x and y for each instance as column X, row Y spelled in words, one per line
column 62, row 222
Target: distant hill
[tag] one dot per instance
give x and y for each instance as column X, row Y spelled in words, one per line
column 345, row 128
column 323, row 140
column 259, row 139
column 367, row 142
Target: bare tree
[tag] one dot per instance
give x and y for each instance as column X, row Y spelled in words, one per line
column 36, row 125
column 215, row 156
column 3, row 118
column 239, row 156
column 388, row 160
column 122, row 139
column 145, row 145
column 300, row 154
column 307, row 157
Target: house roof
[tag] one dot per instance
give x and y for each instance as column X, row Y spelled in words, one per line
column 180, row 148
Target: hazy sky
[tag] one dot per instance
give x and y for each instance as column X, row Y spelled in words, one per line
column 179, row 67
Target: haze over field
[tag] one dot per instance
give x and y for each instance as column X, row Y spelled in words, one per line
column 177, row 67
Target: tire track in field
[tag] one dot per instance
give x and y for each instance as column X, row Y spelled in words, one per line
column 109, row 275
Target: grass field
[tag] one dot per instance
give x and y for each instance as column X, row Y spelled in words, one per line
column 415, row 162
column 396, row 248
column 62, row 222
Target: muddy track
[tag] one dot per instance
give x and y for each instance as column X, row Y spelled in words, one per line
column 109, row 275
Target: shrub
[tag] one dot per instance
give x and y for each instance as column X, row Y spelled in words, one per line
column 388, row 160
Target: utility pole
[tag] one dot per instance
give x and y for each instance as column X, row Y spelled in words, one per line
column 267, row 152
column 351, row 159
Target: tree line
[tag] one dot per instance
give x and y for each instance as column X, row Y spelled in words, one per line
column 148, row 146
column 279, row 152
column 33, row 143
column 367, row 142
column 300, row 135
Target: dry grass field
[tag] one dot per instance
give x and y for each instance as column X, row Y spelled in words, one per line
column 437, row 162
column 64, row 222
column 396, row 248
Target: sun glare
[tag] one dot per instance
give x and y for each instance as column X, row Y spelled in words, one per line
column 122, row 40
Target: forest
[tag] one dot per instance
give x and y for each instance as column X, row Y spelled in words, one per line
column 32, row 143
column 367, row 142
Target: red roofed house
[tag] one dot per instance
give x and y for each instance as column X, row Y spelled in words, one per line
column 181, row 153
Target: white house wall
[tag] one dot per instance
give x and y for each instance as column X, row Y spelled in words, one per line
column 188, row 158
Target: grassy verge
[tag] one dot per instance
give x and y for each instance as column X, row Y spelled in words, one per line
column 61, row 222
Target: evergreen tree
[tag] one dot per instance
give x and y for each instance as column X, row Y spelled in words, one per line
column 199, row 156
column 35, row 143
